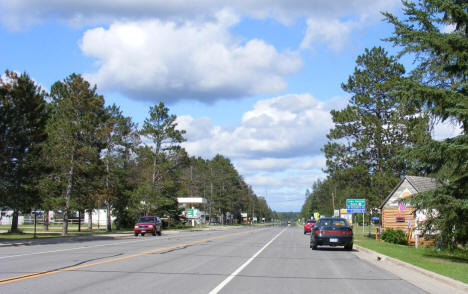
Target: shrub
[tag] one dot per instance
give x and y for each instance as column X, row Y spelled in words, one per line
column 394, row 236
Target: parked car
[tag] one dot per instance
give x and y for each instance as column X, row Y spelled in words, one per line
column 148, row 224
column 309, row 224
column 333, row 232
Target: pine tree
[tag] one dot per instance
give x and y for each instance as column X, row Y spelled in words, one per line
column 372, row 130
column 23, row 118
column 159, row 192
column 435, row 33
column 76, row 138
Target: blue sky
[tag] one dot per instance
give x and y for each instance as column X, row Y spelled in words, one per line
column 251, row 80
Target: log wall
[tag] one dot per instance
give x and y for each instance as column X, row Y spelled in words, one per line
column 389, row 218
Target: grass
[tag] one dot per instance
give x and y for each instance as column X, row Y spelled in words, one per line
column 453, row 264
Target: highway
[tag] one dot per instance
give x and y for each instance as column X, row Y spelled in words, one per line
column 239, row 260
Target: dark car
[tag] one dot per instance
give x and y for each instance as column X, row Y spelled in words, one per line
column 148, row 224
column 332, row 232
column 309, row 224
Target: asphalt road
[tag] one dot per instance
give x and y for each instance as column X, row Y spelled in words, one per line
column 242, row 260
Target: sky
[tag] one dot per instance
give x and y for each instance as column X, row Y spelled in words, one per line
column 252, row 80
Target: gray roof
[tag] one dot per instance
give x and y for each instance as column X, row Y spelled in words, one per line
column 422, row 184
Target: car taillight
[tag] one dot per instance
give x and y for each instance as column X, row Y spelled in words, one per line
column 136, row 227
column 348, row 233
column 316, row 232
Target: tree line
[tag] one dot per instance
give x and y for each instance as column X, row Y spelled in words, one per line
column 66, row 151
column 385, row 130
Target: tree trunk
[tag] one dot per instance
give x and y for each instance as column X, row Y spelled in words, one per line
column 46, row 221
column 14, row 221
column 68, row 192
column 65, row 221
column 109, row 221
column 90, row 219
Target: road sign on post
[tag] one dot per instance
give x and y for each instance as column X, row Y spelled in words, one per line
column 356, row 205
column 190, row 213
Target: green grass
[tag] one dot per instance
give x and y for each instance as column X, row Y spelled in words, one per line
column 453, row 264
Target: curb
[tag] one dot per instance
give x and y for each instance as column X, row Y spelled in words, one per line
column 443, row 279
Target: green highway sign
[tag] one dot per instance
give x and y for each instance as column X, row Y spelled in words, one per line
column 356, row 205
column 190, row 212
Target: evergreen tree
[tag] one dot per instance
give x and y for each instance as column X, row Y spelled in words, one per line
column 372, row 130
column 76, row 138
column 166, row 157
column 435, row 32
column 23, row 118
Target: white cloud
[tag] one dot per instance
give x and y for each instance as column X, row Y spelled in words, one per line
column 167, row 61
column 276, row 146
column 21, row 13
column 332, row 32
column 446, row 129
column 281, row 127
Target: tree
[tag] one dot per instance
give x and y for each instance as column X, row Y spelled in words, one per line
column 76, row 138
column 377, row 124
column 23, row 118
column 434, row 32
column 120, row 138
column 166, row 157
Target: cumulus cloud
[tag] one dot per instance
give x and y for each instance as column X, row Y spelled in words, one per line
column 446, row 129
column 281, row 127
column 157, row 60
column 21, row 13
column 333, row 32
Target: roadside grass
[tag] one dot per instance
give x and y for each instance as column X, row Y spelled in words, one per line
column 453, row 264
column 55, row 231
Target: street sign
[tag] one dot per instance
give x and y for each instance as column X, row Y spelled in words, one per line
column 190, row 212
column 356, row 205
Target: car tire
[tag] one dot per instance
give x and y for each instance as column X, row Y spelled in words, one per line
column 305, row 232
column 313, row 246
column 153, row 233
column 136, row 234
column 349, row 247
column 159, row 233
column 142, row 234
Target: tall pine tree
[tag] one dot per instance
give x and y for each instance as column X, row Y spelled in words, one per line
column 23, row 117
column 435, row 33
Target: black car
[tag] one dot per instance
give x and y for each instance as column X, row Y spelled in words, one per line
column 333, row 232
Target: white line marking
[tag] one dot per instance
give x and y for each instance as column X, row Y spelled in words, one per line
column 237, row 271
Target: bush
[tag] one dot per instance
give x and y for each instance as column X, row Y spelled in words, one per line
column 394, row 236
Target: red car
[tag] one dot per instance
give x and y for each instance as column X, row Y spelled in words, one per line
column 148, row 224
column 309, row 225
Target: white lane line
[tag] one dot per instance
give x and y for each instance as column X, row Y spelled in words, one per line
column 94, row 246
column 237, row 271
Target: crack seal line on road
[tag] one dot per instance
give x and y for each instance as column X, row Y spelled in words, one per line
column 158, row 250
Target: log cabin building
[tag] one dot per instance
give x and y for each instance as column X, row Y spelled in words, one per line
column 396, row 214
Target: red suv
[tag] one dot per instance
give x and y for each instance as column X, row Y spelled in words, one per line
column 148, row 224
column 309, row 224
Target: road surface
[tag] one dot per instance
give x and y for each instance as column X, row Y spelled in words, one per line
column 241, row 260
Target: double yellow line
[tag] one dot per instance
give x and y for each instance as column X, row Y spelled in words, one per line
column 72, row 268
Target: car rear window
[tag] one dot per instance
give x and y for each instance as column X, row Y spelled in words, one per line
column 310, row 221
column 146, row 219
column 333, row 223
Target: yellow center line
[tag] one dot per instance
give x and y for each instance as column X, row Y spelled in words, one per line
column 72, row 268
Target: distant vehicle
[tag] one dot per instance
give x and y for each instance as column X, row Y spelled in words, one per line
column 309, row 224
column 148, row 224
column 289, row 223
column 333, row 232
